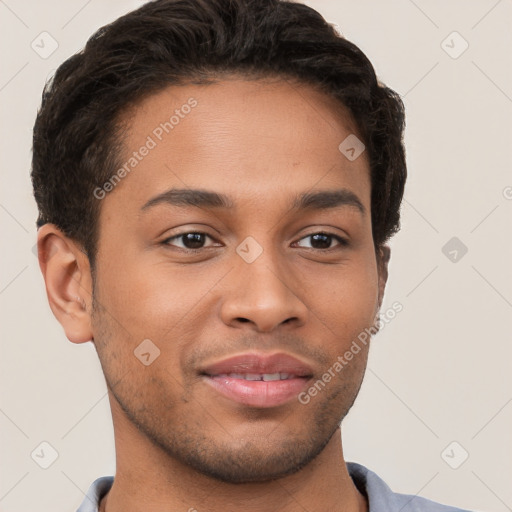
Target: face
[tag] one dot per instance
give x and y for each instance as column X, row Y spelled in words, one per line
column 226, row 289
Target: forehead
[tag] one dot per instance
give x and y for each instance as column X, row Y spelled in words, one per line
column 250, row 140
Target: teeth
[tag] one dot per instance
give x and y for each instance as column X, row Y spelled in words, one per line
column 252, row 376
column 236, row 375
column 259, row 376
column 271, row 376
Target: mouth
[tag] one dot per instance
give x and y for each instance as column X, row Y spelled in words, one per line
column 253, row 377
column 258, row 380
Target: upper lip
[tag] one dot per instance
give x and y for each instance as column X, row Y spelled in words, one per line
column 252, row 362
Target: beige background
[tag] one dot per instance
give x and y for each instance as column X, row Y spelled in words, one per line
column 439, row 372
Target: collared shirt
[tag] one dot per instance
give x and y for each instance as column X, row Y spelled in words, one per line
column 380, row 497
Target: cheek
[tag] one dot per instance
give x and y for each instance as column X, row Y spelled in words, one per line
column 345, row 298
column 154, row 298
column 159, row 300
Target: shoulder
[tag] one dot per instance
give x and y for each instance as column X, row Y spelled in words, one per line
column 96, row 491
column 382, row 499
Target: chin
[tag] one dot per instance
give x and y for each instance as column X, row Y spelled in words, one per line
column 252, row 461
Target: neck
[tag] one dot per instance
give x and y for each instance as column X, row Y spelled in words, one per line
column 148, row 480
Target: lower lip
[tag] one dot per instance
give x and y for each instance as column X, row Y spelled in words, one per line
column 258, row 393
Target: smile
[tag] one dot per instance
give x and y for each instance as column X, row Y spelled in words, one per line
column 256, row 376
column 257, row 379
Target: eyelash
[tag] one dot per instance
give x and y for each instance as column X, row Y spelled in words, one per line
column 342, row 241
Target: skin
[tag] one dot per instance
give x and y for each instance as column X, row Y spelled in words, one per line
column 180, row 445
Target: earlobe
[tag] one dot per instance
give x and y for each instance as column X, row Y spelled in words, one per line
column 67, row 276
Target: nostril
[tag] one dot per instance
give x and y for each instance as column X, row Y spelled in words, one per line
column 243, row 319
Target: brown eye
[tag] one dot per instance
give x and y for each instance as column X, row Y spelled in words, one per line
column 323, row 241
column 190, row 240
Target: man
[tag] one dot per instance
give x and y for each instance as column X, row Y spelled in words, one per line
column 216, row 183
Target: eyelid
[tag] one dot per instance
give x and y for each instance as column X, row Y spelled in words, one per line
column 342, row 241
column 187, row 232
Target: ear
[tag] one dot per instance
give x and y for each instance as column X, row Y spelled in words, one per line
column 383, row 254
column 67, row 276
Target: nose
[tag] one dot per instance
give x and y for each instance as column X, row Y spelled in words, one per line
column 263, row 294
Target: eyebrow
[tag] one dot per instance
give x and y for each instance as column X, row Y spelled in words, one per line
column 318, row 200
